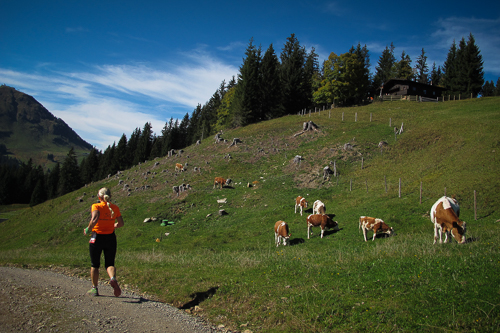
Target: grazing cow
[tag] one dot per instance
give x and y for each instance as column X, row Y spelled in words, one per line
column 281, row 232
column 377, row 225
column 320, row 220
column 300, row 202
column 179, row 167
column 221, row 182
column 319, row 207
column 444, row 215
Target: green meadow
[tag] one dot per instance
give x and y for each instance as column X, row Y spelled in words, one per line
column 229, row 264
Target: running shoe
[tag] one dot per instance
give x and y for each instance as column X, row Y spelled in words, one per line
column 116, row 287
column 93, row 292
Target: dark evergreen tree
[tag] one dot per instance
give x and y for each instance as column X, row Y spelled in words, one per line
column 121, row 154
column 497, row 88
column 166, row 136
column 473, row 74
column 311, row 68
column 436, row 75
column 144, row 145
column 488, row 89
column 422, row 68
column 403, row 67
column 156, row 148
column 132, row 145
column 270, row 87
column 360, row 77
column 39, row 194
column 247, row 103
column 293, row 77
column 70, row 174
column 449, row 79
column 385, row 69
column 89, row 167
column 53, row 179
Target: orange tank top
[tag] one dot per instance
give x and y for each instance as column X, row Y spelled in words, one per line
column 105, row 224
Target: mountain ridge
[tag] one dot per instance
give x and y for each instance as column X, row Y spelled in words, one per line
column 29, row 130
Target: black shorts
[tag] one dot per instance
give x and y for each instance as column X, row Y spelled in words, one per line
column 106, row 244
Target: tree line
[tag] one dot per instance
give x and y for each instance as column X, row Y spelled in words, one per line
column 267, row 86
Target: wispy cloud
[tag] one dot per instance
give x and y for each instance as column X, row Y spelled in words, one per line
column 107, row 101
column 486, row 33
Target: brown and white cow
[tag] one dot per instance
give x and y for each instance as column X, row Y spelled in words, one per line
column 320, row 220
column 300, row 202
column 281, row 232
column 179, row 167
column 444, row 215
column 319, row 207
column 221, row 182
column 377, row 225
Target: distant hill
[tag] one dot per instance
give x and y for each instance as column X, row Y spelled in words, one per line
column 29, row 130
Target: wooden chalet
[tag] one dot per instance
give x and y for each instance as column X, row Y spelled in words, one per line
column 403, row 87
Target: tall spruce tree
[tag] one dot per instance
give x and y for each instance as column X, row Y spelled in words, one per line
column 403, row 67
column 53, row 179
column 436, row 75
column 422, row 68
column 385, row 69
column 145, row 143
column 247, row 104
column 70, row 174
column 488, row 89
column 497, row 88
column 270, row 86
column 449, row 79
column 292, row 76
column 474, row 74
column 311, row 68
column 361, row 74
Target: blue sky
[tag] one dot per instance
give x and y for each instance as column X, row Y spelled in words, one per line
column 107, row 67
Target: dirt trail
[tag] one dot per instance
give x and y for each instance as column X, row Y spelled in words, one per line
column 46, row 301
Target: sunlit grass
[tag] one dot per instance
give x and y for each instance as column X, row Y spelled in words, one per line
column 336, row 284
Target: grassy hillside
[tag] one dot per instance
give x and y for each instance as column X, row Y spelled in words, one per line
column 336, row 284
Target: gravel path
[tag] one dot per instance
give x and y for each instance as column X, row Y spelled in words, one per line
column 46, row 301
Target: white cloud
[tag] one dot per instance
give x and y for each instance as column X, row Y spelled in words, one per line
column 486, row 33
column 111, row 100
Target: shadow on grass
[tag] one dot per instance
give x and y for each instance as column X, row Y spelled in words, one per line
column 199, row 297
column 296, row 241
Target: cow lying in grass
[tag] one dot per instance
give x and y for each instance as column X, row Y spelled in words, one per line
column 444, row 215
column 300, row 202
column 321, row 220
column 281, row 232
column 377, row 225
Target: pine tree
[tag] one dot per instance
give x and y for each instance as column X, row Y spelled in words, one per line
column 360, row 78
column 70, row 174
column 488, row 89
column 270, row 87
column 450, row 72
column 422, row 68
column 311, row 68
column 89, row 168
column 474, row 74
column 121, row 154
column 385, row 69
column 247, row 104
column 132, row 145
column 497, row 88
column 39, row 194
column 435, row 75
column 292, row 76
column 53, row 179
column 403, row 67
column 145, row 143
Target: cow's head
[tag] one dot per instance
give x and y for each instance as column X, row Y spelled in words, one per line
column 286, row 239
column 228, row 181
column 458, row 231
column 303, row 202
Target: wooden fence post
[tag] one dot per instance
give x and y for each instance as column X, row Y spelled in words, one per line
column 356, row 117
column 475, row 206
column 342, row 116
column 350, row 185
column 385, row 181
column 335, row 168
column 400, row 187
column 362, row 160
column 370, row 117
column 420, row 192
column 390, row 122
column 366, row 183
